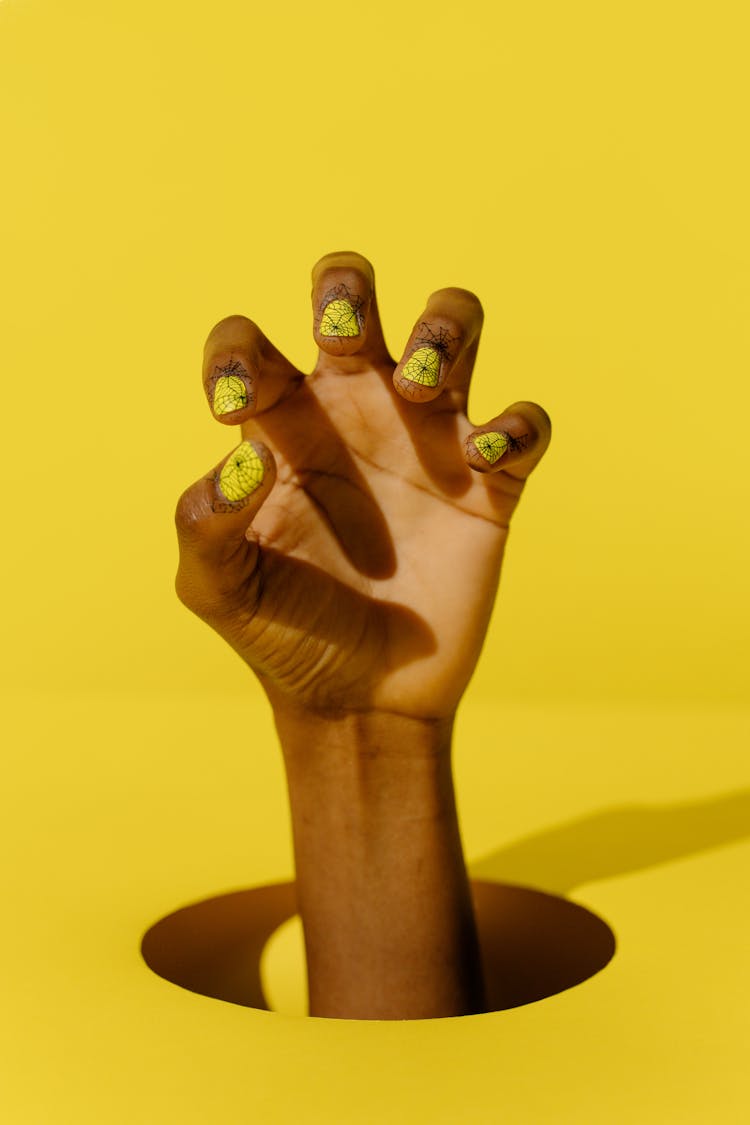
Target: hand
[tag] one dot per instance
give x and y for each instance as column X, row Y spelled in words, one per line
column 349, row 550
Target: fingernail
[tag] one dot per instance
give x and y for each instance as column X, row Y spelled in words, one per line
column 339, row 319
column 230, row 393
column 242, row 473
column 423, row 367
column 491, row 445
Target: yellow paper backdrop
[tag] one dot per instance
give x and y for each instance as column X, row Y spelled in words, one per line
column 583, row 168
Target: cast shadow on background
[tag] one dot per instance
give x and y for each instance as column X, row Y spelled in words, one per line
column 535, row 941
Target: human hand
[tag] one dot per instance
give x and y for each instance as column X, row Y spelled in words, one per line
column 349, row 549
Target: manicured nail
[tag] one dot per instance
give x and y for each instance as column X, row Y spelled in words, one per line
column 491, row 445
column 423, row 367
column 230, row 393
column 242, row 473
column 339, row 319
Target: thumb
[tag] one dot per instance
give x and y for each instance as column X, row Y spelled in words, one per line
column 218, row 549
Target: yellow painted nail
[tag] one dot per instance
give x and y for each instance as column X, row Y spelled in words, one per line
column 242, row 473
column 339, row 319
column 230, row 393
column 491, row 445
column 423, row 367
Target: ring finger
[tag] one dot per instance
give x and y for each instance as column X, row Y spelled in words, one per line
column 442, row 348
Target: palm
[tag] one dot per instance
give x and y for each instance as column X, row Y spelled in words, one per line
column 382, row 548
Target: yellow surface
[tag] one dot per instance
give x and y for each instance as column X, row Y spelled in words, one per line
column 124, row 809
column 581, row 168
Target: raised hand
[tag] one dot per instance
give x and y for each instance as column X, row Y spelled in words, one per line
column 349, row 548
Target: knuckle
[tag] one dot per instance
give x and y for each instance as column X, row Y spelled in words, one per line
column 184, row 588
column 189, row 516
column 192, row 591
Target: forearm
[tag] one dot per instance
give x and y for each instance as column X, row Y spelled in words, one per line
column 381, row 881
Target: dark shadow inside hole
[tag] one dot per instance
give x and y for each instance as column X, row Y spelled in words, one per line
column 533, row 944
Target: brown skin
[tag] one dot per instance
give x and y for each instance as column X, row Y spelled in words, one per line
column 357, row 582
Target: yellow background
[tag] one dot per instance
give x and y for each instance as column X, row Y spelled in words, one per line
column 583, row 168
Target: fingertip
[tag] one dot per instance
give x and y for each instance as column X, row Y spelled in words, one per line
column 342, row 262
column 214, row 512
column 213, row 517
column 420, row 376
column 231, row 389
column 243, row 478
column 430, row 356
column 243, row 372
column 412, row 391
column 514, row 441
column 346, row 320
column 484, row 448
column 532, row 411
column 341, row 316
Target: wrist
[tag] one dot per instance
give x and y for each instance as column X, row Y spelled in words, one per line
column 371, row 757
column 381, row 883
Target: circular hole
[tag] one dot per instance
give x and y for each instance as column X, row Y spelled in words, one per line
column 533, row 945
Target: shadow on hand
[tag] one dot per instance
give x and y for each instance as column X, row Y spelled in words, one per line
column 535, row 943
column 334, row 625
column 326, row 471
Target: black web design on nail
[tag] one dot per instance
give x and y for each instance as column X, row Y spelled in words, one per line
column 231, row 367
column 342, row 293
column 218, row 505
column 440, row 340
column 515, row 444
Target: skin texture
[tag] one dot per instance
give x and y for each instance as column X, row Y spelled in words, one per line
column 356, row 579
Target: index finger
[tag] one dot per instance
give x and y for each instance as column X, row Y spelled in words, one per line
column 243, row 373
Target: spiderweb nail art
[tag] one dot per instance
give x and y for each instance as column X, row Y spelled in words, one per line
column 491, row 445
column 230, row 387
column 340, row 313
column 242, row 473
column 230, row 393
column 431, row 347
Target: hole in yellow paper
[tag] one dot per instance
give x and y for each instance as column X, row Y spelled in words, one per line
column 246, row 947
